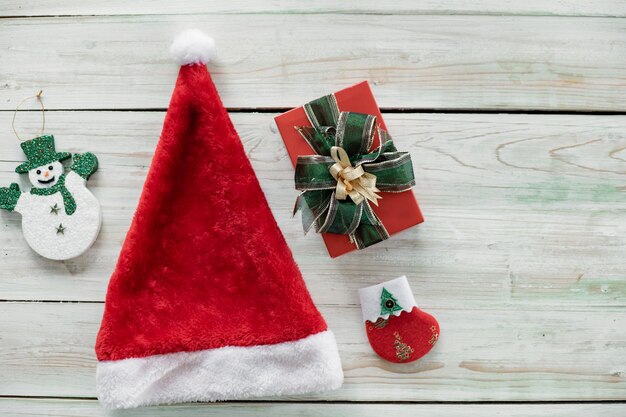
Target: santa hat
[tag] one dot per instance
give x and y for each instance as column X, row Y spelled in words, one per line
column 206, row 302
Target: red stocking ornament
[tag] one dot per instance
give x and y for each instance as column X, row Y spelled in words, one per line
column 398, row 331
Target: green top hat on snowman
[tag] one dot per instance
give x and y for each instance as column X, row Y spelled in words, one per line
column 40, row 151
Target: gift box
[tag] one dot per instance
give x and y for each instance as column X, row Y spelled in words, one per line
column 384, row 189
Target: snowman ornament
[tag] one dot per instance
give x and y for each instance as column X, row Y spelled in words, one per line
column 61, row 218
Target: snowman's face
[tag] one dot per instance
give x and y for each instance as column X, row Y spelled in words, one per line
column 46, row 176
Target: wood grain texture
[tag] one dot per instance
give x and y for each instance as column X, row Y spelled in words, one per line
column 520, row 258
column 273, row 60
column 30, row 8
column 87, row 408
column 521, row 210
column 500, row 354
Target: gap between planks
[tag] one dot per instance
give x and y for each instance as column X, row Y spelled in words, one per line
column 384, row 110
column 323, row 13
column 280, row 401
column 556, row 8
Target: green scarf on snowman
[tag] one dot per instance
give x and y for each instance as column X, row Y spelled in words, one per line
column 68, row 201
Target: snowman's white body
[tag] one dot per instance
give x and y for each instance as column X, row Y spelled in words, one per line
column 41, row 225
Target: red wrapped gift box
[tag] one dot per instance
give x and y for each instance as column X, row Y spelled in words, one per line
column 397, row 211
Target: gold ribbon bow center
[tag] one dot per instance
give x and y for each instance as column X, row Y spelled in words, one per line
column 352, row 181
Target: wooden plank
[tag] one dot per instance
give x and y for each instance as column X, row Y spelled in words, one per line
column 482, row 7
column 90, row 408
column 509, row 354
column 268, row 60
column 521, row 210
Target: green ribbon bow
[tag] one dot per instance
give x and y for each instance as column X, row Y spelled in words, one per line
column 68, row 200
column 344, row 167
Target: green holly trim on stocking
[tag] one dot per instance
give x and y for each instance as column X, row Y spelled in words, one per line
column 388, row 303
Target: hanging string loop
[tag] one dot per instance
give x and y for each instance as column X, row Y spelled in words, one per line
column 43, row 114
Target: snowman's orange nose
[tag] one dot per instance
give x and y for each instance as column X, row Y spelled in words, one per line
column 46, row 174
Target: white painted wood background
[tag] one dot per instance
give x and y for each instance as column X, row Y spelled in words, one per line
column 521, row 257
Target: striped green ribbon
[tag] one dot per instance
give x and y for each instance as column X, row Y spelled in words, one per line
column 354, row 132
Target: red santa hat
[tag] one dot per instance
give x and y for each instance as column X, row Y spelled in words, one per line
column 206, row 302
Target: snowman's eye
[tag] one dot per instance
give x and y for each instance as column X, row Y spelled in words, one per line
column 50, row 167
column 38, row 171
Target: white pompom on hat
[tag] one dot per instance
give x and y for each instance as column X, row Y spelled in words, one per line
column 192, row 47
